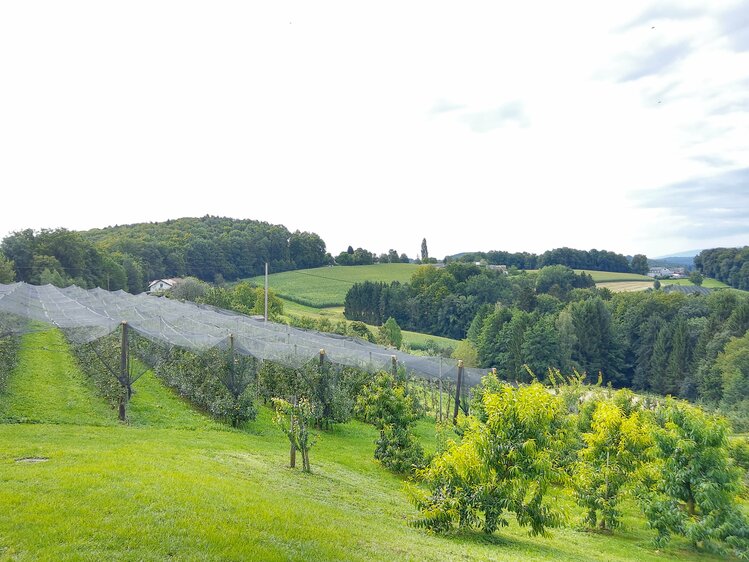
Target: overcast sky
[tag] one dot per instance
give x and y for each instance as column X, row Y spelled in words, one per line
column 517, row 126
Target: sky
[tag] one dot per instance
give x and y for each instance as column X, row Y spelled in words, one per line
column 520, row 126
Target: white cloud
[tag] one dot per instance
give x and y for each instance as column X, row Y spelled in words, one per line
column 479, row 126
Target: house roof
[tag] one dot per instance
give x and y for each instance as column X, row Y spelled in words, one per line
column 170, row 282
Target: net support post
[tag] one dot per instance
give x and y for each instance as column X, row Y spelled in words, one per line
column 124, row 374
column 458, row 384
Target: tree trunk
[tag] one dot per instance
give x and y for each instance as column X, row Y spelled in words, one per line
column 691, row 508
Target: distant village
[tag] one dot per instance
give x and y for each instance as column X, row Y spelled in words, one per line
column 668, row 273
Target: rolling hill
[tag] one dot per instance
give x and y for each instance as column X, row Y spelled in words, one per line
column 173, row 484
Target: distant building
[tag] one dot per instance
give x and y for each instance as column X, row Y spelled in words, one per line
column 161, row 285
column 660, row 272
column 482, row 263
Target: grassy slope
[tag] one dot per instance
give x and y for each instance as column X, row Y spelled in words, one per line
column 708, row 283
column 336, row 313
column 53, row 390
column 625, row 286
column 174, row 485
column 327, row 286
column 619, row 286
column 613, row 277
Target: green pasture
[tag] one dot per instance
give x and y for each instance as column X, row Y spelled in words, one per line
column 172, row 484
column 414, row 339
column 613, row 277
column 707, row 283
column 327, row 286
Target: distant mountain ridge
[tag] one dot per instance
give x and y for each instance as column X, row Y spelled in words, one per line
column 684, row 254
column 673, row 261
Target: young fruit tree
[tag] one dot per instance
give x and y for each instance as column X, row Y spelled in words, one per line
column 691, row 488
column 614, row 449
column 504, row 464
column 295, row 419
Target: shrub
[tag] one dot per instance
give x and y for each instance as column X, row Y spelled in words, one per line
column 504, row 464
column 388, row 405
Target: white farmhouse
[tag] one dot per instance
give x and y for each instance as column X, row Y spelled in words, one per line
column 161, row 285
column 660, row 272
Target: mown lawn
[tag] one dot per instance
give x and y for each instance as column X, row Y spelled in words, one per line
column 75, row 484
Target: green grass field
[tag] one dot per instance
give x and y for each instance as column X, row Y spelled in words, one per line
column 175, row 485
column 613, row 277
column 707, row 283
column 327, row 286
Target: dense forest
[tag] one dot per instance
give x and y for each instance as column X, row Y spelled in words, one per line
column 598, row 260
column 127, row 257
column 444, row 301
column 730, row 265
column 691, row 346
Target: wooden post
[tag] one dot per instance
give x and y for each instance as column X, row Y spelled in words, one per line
column 322, row 358
column 124, row 374
column 440, row 397
column 457, row 391
column 394, row 367
column 433, row 402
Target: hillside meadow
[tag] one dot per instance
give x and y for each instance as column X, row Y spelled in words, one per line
column 173, row 484
column 327, row 286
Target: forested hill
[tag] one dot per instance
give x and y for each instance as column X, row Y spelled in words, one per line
column 128, row 256
column 597, row 260
column 206, row 246
column 730, row 265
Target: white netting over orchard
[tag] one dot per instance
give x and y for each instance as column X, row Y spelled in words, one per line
column 87, row 315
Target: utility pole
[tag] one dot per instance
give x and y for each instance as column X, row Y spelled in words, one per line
column 266, row 291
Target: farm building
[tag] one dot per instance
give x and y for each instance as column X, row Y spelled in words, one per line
column 501, row 268
column 161, row 285
column 660, row 272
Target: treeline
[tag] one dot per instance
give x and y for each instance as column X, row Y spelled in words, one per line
column 598, row 260
column 444, row 301
column 360, row 256
column 730, row 265
column 127, row 257
column 690, row 346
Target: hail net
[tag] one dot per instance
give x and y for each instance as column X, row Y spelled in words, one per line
column 87, row 315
